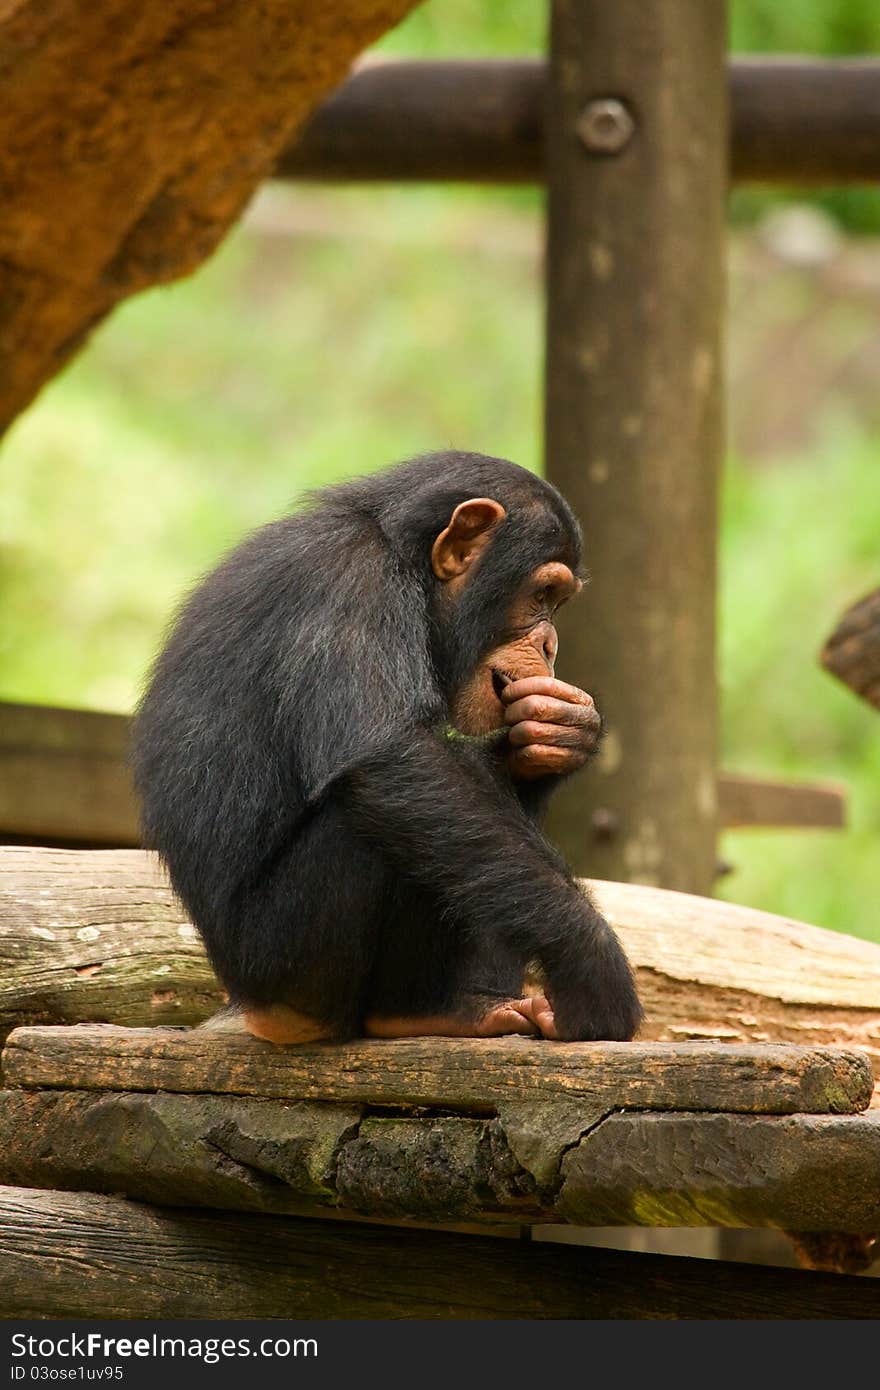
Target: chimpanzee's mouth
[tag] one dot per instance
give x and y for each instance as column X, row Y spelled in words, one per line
column 499, row 682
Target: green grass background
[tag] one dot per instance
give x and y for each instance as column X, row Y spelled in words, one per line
column 394, row 321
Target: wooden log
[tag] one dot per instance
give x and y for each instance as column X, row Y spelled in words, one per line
column 852, row 652
column 469, row 1073
column 635, row 289
column 116, row 110
column 65, row 780
column 800, row 121
column 801, row 1172
column 99, row 937
column 101, row 1257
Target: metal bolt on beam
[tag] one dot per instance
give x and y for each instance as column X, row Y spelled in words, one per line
column 605, row 126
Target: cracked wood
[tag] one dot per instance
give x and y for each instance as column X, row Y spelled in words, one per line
column 797, row 1172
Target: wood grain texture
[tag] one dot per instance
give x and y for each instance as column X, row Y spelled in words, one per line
column 799, row 1172
column 99, row 937
column 477, row 1074
column 852, row 652
column 155, row 123
column 103, row 1257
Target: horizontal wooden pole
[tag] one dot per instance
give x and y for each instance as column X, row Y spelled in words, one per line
column 72, row 1256
column 538, row 1164
column 98, row 936
column 471, row 1073
column 754, row 802
column 65, row 780
column 793, row 121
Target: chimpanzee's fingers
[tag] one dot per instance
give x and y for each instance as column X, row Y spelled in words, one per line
column 542, row 760
column 548, row 735
column 544, row 709
column 545, row 685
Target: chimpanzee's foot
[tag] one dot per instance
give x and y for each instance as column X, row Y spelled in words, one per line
column 278, row 1023
column 533, row 1017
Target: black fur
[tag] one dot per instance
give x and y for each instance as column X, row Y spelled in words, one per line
column 337, row 851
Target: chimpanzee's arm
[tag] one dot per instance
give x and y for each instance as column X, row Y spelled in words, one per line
column 462, row 838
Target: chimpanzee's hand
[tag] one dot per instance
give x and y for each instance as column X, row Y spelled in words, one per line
column 552, row 727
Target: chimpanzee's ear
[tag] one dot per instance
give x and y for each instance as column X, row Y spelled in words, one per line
column 465, row 537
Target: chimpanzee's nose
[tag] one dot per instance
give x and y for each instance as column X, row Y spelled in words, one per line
column 546, row 642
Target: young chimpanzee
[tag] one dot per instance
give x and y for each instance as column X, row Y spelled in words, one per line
column 343, row 753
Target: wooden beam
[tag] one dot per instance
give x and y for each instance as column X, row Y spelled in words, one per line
column 99, row 937
column 64, row 776
column 799, row 121
column 749, row 802
column 800, row 1172
column 65, row 780
column 635, row 289
column 852, row 652
column 93, row 1257
column 470, row 1073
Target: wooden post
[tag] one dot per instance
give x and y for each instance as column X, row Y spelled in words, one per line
column 637, row 173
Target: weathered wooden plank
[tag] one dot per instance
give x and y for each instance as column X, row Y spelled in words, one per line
column 65, row 779
column 635, row 294
column 483, row 120
column 852, row 652
column 478, row 1073
column 99, row 937
column 745, row 802
column 102, row 1257
column 800, row 1172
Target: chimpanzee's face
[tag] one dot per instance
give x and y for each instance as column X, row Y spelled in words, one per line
column 528, row 649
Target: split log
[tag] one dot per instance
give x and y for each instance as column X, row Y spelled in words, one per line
column 132, row 137
column 591, row 1168
column 98, row 936
column 852, row 652
column 476, row 1074
column 102, row 1257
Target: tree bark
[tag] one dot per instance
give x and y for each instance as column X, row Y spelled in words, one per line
column 132, row 137
column 852, row 652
